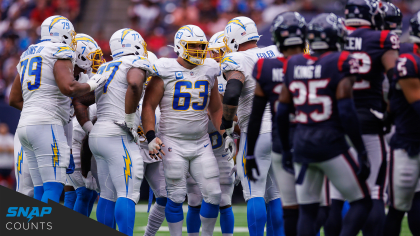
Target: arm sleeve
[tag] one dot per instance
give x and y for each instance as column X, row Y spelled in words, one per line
column 255, row 119
column 283, row 124
column 350, row 122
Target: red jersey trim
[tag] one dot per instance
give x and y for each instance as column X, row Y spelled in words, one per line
column 343, row 57
column 415, row 49
column 382, row 39
column 411, row 58
column 259, row 68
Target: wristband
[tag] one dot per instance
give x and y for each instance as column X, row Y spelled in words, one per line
column 226, row 124
column 87, row 127
column 224, row 135
column 150, row 135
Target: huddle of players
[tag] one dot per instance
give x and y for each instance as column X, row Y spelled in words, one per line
column 336, row 89
column 334, row 92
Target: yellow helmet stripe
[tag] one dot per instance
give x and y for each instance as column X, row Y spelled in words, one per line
column 55, row 20
column 124, row 33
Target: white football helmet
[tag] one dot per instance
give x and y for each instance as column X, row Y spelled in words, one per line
column 88, row 53
column 217, row 46
column 151, row 57
column 58, row 29
column 127, row 41
column 187, row 35
column 240, row 30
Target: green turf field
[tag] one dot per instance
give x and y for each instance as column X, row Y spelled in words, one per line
column 240, row 222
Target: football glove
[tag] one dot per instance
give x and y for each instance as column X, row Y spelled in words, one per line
column 90, row 182
column 251, row 165
column 287, row 162
column 70, row 169
column 364, row 166
column 130, row 126
column 230, row 146
column 237, row 179
column 97, row 81
column 155, row 148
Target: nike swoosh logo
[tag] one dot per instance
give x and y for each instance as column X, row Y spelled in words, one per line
column 206, row 145
column 224, row 155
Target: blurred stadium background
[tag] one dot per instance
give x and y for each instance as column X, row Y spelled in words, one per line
column 156, row 20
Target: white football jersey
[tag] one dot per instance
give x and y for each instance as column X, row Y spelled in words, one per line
column 187, row 94
column 142, row 136
column 222, row 84
column 43, row 103
column 83, row 78
column 79, row 133
column 110, row 98
column 244, row 62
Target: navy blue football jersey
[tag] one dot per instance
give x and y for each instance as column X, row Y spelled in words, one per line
column 407, row 121
column 269, row 75
column 368, row 46
column 408, row 48
column 313, row 82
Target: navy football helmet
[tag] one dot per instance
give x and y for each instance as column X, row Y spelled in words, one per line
column 364, row 12
column 415, row 28
column 326, row 32
column 393, row 18
column 288, row 29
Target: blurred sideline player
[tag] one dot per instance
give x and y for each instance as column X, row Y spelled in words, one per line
column 241, row 38
column 288, row 33
column 216, row 50
column 113, row 139
column 153, row 171
column 43, row 99
column 185, row 89
column 377, row 51
column 319, row 86
column 88, row 58
column 404, row 166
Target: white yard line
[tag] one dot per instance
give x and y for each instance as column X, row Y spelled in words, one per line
column 184, row 229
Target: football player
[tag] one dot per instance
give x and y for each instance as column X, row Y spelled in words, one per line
column 377, row 51
column 113, row 139
column 288, row 33
column 216, row 49
column 185, row 89
column 405, row 148
column 319, row 87
column 88, row 58
column 43, row 99
column 153, row 172
column 241, row 36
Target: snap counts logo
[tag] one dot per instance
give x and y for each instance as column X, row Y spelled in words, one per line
column 25, row 215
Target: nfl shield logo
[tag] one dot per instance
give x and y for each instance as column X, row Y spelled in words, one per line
column 191, row 73
column 169, row 149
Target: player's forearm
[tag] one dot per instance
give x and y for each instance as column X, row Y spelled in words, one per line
column 76, row 89
column 148, row 117
column 132, row 98
column 216, row 118
column 81, row 105
column 283, row 124
column 15, row 97
column 350, row 122
column 255, row 119
column 229, row 111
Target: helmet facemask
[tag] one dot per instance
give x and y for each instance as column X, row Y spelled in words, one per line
column 96, row 57
column 217, row 53
column 72, row 41
column 193, row 55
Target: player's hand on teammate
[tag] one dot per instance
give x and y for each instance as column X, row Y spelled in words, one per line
column 364, row 166
column 287, row 162
column 97, row 81
column 130, row 129
column 252, row 170
column 237, row 179
column 155, row 148
column 90, row 182
column 71, row 167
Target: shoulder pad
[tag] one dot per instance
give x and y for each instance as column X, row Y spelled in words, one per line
column 232, row 61
column 61, row 51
